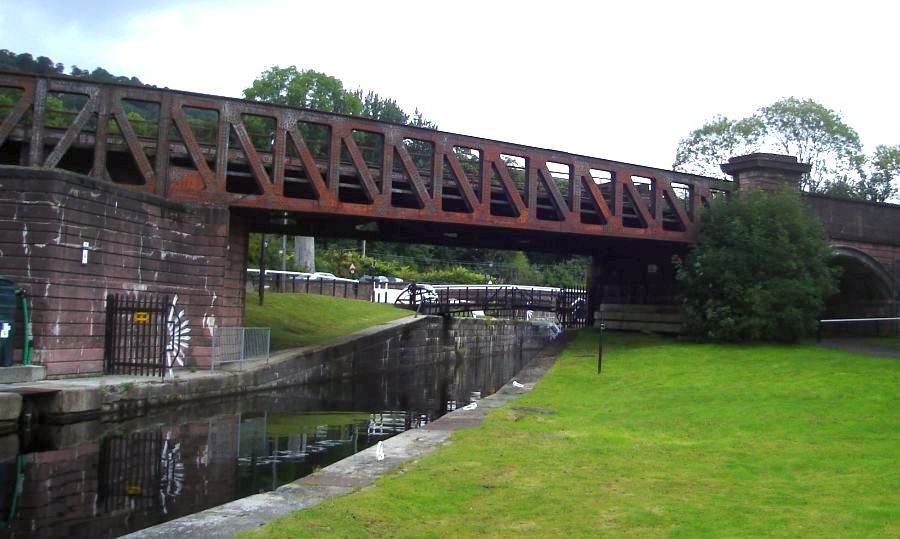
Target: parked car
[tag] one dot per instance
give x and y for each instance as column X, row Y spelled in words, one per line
column 322, row 275
column 379, row 279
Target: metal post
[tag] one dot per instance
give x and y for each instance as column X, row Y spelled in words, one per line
column 262, row 268
column 242, row 330
column 600, row 346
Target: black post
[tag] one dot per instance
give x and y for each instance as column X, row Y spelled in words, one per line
column 262, row 269
column 819, row 332
column 600, row 346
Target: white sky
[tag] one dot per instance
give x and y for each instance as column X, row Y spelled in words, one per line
column 621, row 80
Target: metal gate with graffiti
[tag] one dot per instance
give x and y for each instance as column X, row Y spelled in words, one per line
column 137, row 334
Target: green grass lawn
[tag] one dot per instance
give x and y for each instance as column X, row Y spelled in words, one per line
column 674, row 440
column 304, row 319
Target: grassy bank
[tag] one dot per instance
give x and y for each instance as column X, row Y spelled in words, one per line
column 671, row 440
column 304, row 319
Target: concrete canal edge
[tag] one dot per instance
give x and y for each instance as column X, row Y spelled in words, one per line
column 354, row 472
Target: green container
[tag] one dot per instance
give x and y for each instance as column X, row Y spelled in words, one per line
column 7, row 320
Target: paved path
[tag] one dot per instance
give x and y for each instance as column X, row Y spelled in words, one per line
column 862, row 346
column 352, row 473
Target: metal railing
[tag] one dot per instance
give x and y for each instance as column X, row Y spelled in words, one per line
column 239, row 344
column 858, row 327
column 569, row 305
column 293, row 282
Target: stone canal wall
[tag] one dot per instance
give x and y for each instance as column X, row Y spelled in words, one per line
column 399, row 345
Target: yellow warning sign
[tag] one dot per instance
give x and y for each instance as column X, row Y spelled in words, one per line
column 133, row 490
column 141, row 317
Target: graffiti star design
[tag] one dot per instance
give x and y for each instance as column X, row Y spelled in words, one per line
column 179, row 338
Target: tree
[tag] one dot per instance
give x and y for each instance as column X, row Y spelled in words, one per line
column 878, row 184
column 304, row 88
column 42, row 65
column 385, row 110
column 715, row 142
column 803, row 128
column 816, row 135
column 758, row 272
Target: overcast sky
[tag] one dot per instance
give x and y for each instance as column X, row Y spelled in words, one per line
column 621, row 80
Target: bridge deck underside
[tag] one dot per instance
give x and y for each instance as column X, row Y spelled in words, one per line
column 290, row 162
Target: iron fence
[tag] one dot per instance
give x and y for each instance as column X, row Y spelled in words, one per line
column 136, row 335
column 306, row 284
column 239, row 344
column 859, row 327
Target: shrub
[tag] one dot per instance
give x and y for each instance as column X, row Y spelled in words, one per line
column 758, row 271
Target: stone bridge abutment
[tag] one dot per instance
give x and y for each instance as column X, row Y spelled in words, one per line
column 135, row 243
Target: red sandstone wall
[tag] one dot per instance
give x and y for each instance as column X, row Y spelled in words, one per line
column 872, row 228
column 138, row 244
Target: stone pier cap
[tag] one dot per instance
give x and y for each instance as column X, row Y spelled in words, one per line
column 765, row 170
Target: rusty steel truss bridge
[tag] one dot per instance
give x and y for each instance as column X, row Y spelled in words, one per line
column 297, row 164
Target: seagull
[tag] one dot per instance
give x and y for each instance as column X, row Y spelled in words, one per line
column 471, row 406
column 379, row 451
column 517, row 384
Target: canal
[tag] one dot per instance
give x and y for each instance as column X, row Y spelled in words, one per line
column 105, row 479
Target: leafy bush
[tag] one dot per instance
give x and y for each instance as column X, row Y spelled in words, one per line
column 758, row 271
column 453, row 275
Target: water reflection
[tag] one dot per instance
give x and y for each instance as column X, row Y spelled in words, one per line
column 98, row 479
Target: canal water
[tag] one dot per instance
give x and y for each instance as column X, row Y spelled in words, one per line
column 105, row 479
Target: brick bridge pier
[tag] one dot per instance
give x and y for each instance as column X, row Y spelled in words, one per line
column 633, row 285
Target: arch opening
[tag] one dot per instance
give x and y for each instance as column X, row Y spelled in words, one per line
column 865, row 289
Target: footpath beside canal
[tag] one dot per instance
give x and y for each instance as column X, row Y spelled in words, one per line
column 404, row 343
column 355, row 472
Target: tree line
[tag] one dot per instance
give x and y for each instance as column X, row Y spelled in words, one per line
column 42, row 65
column 806, row 129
